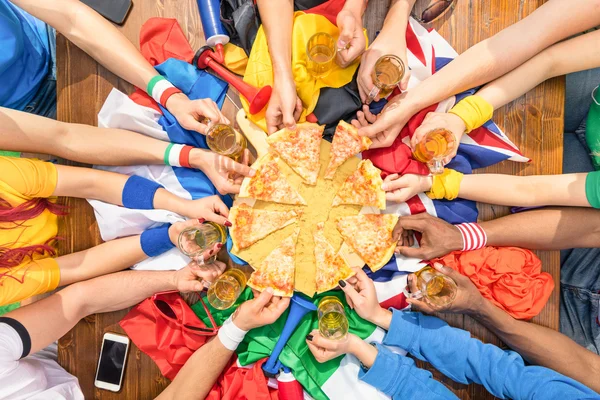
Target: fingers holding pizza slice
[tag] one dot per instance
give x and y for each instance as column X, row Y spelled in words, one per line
column 346, row 143
column 363, row 187
column 331, row 267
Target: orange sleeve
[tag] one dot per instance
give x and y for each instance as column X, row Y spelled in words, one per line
column 28, row 178
column 29, row 279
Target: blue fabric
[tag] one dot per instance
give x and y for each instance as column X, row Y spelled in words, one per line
column 25, row 59
column 138, row 193
column 156, row 241
column 467, row 360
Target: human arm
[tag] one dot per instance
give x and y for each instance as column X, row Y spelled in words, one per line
column 351, row 42
column 285, row 107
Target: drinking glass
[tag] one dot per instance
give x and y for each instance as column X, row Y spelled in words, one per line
column 333, row 323
column 435, row 146
column 437, row 288
column 226, row 140
column 223, row 292
column 387, row 74
column 320, row 52
column 194, row 241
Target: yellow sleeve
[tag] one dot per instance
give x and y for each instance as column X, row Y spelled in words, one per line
column 28, row 178
column 28, row 280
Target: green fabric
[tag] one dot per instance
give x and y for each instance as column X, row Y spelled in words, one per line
column 8, row 308
column 259, row 342
column 7, row 153
column 592, row 188
column 592, row 131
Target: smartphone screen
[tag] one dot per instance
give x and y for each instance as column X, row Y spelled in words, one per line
column 112, row 361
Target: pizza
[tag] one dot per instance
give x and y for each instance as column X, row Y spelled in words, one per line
column 370, row 235
column 363, row 187
column 278, row 269
column 300, row 148
column 270, row 184
column 331, row 267
column 346, row 143
column 250, row 225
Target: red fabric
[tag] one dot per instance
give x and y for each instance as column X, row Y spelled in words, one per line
column 398, row 302
column 238, row 383
column 168, row 339
column 168, row 93
column 161, row 39
column 509, row 277
column 330, row 9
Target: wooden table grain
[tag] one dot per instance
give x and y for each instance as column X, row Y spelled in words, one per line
column 534, row 122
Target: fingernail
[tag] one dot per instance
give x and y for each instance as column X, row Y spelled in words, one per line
column 342, row 283
column 384, row 187
column 309, row 338
column 270, row 290
column 252, row 172
column 219, row 245
column 228, row 224
column 410, row 279
column 201, row 220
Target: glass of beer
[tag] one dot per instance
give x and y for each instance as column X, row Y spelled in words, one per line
column 387, row 74
column 194, row 241
column 437, row 288
column 223, row 293
column 435, row 146
column 333, row 323
column 225, row 140
column 320, row 52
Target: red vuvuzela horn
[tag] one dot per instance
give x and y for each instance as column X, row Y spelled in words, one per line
column 258, row 98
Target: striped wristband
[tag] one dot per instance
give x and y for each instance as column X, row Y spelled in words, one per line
column 473, row 235
column 177, row 155
column 161, row 89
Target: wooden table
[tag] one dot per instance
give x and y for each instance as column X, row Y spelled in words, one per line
column 534, row 122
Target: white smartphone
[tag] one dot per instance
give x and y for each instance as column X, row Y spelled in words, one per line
column 111, row 364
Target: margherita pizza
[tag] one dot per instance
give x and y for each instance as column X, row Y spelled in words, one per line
column 370, row 235
column 250, row 225
column 363, row 187
column 331, row 267
column 270, row 184
column 346, row 143
column 300, row 148
column 278, row 269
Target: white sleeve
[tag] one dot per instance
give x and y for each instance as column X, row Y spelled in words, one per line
column 11, row 348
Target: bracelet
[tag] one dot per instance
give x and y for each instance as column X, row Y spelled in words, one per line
column 474, row 111
column 156, row 241
column 230, row 335
column 177, row 155
column 138, row 193
column 160, row 89
column 473, row 235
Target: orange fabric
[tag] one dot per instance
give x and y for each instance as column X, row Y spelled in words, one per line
column 509, row 277
column 161, row 39
column 238, row 383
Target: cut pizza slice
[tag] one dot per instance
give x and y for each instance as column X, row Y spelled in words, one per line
column 370, row 235
column 270, row 184
column 346, row 143
column 300, row 148
column 278, row 269
column 331, row 267
column 363, row 187
column 250, row 225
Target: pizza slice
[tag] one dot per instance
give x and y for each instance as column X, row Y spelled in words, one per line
column 250, row 225
column 346, row 143
column 270, row 184
column 370, row 235
column 331, row 267
column 278, row 269
column 300, row 148
column 363, row 187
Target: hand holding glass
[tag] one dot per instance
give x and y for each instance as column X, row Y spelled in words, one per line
column 320, row 52
column 435, row 146
column 333, row 323
column 437, row 288
column 226, row 141
column 387, row 74
column 223, row 293
column 194, row 241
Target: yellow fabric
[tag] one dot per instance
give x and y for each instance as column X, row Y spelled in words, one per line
column 474, row 111
column 259, row 71
column 29, row 279
column 23, row 179
column 235, row 58
column 446, row 185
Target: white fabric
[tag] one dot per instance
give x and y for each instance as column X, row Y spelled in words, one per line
column 35, row 377
column 230, row 335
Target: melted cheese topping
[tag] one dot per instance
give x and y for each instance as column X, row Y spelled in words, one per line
column 278, row 269
column 346, row 143
column 363, row 187
column 249, row 225
column 370, row 235
column 270, row 184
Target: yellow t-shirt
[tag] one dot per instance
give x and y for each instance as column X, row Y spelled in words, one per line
column 23, row 179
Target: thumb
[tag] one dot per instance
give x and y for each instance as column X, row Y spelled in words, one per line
column 214, row 217
column 347, row 26
column 240, row 168
column 264, row 298
column 350, row 292
column 445, row 270
column 394, row 184
column 384, row 121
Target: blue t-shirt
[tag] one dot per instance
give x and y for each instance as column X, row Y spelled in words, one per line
column 24, row 56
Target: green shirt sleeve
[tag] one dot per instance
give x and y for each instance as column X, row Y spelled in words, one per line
column 592, row 188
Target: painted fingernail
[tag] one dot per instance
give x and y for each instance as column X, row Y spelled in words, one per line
column 219, row 245
column 228, row 224
column 342, row 283
column 201, row 220
column 309, row 338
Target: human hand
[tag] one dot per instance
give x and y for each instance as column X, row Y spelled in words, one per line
column 226, row 174
column 192, row 114
column 468, row 298
column 285, row 107
column 386, row 128
column 401, row 188
column 352, row 41
column 362, row 298
column 438, row 237
column 436, row 120
column 326, row 349
column 210, row 208
column 262, row 310
column 186, row 279
column 207, row 257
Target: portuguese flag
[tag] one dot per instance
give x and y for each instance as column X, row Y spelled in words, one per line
column 334, row 379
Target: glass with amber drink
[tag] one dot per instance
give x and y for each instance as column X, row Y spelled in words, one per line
column 435, row 146
column 226, row 140
column 320, row 53
column 223, row 292
column 387, row 74
column 437, row 288
column 333, row 323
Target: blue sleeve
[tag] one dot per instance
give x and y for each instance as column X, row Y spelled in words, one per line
column 464, row 359
column 398, row 377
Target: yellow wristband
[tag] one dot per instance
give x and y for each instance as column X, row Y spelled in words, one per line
column 474, row 111
column 446, row 185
